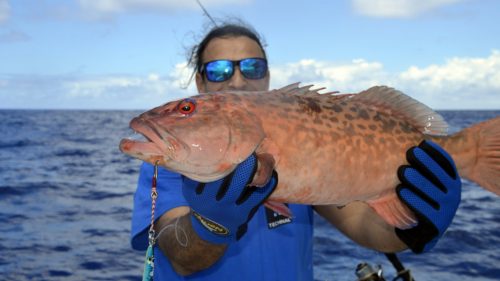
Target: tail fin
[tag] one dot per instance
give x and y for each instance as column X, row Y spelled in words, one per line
column 486, row 168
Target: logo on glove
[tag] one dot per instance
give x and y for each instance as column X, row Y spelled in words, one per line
column 211, row 225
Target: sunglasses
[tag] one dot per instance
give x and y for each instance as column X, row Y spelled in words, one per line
column 223, row 70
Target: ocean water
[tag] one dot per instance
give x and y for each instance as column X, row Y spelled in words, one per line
column 66, row 200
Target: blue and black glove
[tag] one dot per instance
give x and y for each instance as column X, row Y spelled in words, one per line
column 431, row 188
column 222, row 209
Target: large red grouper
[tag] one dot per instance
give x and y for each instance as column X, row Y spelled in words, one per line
column 326, row 148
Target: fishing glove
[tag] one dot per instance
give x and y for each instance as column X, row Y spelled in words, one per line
column 222, row 209
column 431, row 188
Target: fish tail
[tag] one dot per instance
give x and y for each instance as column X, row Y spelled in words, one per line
column 476, row 152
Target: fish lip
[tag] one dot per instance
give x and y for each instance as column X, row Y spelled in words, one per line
column 150, row 132
column 166, row 142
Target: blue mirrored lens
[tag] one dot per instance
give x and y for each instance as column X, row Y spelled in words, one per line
column 223, row 70
column 219, row 70
column 253, row 68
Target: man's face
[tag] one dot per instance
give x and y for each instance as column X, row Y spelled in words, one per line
column 232, row 48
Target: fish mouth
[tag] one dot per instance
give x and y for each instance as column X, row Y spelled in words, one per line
column 158, row 145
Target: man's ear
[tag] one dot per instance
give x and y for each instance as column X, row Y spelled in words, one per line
column 200, row 83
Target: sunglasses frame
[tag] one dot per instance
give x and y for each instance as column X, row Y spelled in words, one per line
column 233, row 66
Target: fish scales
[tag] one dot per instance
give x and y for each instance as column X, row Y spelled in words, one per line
column 325, row 143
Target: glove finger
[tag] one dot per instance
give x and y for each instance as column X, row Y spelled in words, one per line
column 440, row 156
column 236, row 183
column 420, row 206
column 191, row 188
column 429, row 168
column 421, row 186
column 256, row 195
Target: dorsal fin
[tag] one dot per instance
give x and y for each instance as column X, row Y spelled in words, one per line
column 289, row 88
column 394, row 102
column 294, row 89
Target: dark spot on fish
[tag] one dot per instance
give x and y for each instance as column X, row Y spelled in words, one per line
column 334, row 119
column 362, row 127
column 382, row 140
column 377, row 117
column 337, row 108
column 349, row 116
column 353, row 109
column 313, row 105
column 372, row 127
column 388, row 125
column 364, row 114
column 369, row 139
column 318, row 121
column 405, row 127
column 335, row 135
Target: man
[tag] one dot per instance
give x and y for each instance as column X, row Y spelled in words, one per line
column 221, row 231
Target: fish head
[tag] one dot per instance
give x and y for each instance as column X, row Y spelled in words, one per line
column 203, row 137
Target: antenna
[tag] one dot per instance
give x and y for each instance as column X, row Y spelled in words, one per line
column 206, row 12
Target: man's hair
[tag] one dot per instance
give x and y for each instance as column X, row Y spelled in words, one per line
column 225, row 30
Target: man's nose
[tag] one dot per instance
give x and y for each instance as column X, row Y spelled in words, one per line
column 238, row 81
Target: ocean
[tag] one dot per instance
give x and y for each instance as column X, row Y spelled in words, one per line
column 66, row 199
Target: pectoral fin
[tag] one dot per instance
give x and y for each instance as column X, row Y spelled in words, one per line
column 279, row 207
column 393, row 211
column 265, row 167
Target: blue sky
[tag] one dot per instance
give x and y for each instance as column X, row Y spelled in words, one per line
column 130, row 54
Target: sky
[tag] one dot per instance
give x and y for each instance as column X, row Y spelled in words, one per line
column 131, row 54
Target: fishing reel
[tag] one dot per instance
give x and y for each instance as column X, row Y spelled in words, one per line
column 366, row 272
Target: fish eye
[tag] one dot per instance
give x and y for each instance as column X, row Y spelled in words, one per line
column 186, row 106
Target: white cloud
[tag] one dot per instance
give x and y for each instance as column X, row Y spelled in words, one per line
column 133, row 92
column 92, row 92
column 4, row 10
column 398, row 8
column 459, row 83
column 347, row 77
column 106, row 8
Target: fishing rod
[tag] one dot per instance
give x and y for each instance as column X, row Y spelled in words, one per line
column 206, row 12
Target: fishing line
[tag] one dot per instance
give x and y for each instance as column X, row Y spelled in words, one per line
column 176, row 227
column 206, row 13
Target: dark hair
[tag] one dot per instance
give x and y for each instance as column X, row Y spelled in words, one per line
column 221, row 31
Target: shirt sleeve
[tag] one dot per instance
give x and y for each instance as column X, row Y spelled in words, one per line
column 169, row 188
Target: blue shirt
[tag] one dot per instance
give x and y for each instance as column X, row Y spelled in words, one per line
column 270, row 250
